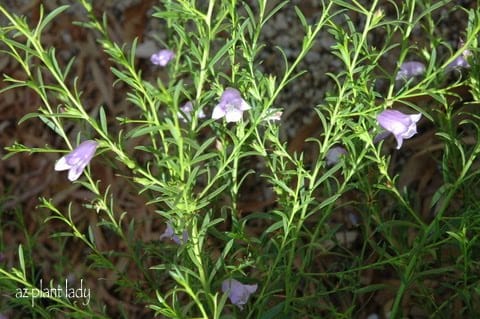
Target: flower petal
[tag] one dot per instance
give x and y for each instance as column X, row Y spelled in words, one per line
column 201, row 114
column 415, row 117
column 77, row 159
column 238, row 292
column 244, row 105
column 334, row 154
column 218, row 111
column 411, row 131
column 75, row 172
column 169, row 233
column 62, row 164
column 162, row 57
column 187, row 107
column 410, row 69
column 399, row 140
column 229, row 95
column 403, row 126
column 231, row 106
column 459, row 63
column 234, row 115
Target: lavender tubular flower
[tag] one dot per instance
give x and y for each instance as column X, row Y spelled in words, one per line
column 409, row 70
column 334, row 154
column 169, row 233
column 459, row 63
column 238, row 292
column 231, row 106
column 162, row 57
column 76, row 161
column 187, row 109
column 402, row 126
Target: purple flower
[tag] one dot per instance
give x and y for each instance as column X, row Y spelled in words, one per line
column 402, row 126
column 162, row 57
column 169, row 233
column 274, row 116
column 231, row 106
column 460, row 62
column 187, row 109
column 409, row 70
column 238, row 292
column 334, row 154
column 76, row 161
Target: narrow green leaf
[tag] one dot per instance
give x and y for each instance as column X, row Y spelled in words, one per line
column 22, row 261
column 50, row 17
column 103, row 120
